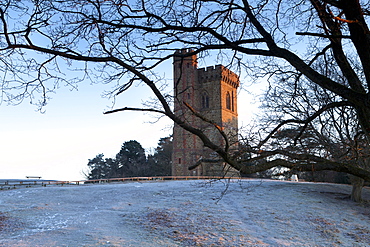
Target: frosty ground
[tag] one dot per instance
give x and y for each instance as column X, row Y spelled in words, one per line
column 185, row 213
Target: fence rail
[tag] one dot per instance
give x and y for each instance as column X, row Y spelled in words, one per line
column 13, row 184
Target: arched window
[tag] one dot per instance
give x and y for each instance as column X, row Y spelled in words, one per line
column 228, row 101
column 205, row 100
column 232, row 101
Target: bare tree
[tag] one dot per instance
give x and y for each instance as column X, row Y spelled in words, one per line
column 334, row 134
column 123, row 42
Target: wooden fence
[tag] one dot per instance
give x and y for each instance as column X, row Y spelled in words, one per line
column 13, row 184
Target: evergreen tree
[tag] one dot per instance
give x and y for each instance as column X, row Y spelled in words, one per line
column 131, row 160
column 160, row 161
column 98, row 168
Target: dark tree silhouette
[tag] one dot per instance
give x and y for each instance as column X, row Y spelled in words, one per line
column 98, row 168
column 160, row 161
column 131, row 160
column 334, row 134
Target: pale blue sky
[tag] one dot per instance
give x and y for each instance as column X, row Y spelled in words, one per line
column 58, row 143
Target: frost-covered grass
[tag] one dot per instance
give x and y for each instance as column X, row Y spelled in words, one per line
column 185, row 213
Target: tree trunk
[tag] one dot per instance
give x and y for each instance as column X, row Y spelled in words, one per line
column 357, row 184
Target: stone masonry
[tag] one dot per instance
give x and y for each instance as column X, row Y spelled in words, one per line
column 212, row 92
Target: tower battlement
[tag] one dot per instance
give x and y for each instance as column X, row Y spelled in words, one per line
column 180, row 55
column 218, row 72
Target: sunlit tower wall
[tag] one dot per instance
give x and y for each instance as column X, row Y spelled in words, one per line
column 212, row 92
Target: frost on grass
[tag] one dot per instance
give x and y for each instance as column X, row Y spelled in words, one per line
column 185, row 213
column 325, row 227
column 9, row 224
column 360, row 234
column 245, row 187
column 196, row 227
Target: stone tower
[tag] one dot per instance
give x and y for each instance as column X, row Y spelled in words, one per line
column 212, row 92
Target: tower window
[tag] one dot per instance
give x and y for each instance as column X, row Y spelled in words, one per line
column 232, row 101
column 205, row 101
column 228, row 101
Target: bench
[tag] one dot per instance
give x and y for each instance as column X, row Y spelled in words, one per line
column 33, row 177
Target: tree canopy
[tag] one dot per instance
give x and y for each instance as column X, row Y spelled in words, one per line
column 131, row 161
column 320, row 43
